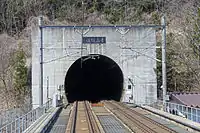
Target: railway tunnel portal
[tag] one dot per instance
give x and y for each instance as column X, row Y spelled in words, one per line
column 94, row 78
column 118, row 63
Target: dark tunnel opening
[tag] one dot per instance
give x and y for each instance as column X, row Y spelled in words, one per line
column 98, row 78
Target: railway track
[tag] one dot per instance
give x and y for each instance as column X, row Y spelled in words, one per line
column 82, row 119
column 86, row 118
column 135, row 120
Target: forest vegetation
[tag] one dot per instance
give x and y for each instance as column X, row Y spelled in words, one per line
column 17, row 17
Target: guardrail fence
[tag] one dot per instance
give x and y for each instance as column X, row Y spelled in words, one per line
column 188, row 112
column 21, row 123
column 7, row 116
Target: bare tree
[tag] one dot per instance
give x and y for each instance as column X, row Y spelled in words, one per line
column 185, row 28
column 6, row 52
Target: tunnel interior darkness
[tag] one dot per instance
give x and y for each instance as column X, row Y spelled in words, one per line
column 98, row 78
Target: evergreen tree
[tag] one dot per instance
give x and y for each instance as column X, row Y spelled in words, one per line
column 20, row 75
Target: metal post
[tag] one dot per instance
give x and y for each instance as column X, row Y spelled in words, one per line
column 47, row 92
column 196, row 115
column 164, row 77
column 18, row 125
column 15, row 126
column 82, row 32
column 47, row 88
column 22, row 124
column 82, row 48
column 64, row 42
column 41, row 64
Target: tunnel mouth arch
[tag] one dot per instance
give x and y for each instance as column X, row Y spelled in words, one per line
column 94, row 78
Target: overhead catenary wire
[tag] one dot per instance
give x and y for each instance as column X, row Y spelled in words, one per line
column 59, row 58
column 140, row 53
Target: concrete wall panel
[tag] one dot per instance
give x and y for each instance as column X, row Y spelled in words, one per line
column 133, row 49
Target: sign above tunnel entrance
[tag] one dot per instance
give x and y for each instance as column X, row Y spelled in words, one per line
column 94, row 40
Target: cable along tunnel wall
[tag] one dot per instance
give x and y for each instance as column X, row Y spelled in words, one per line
column 133, row 49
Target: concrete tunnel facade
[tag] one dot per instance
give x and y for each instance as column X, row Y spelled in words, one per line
column 97, row 78
column 120, row 72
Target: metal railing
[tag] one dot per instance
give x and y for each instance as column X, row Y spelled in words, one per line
column 7, row 116
column 23, row 122
column 188, row 112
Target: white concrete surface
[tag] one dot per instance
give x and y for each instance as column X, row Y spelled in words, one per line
column 133, row 49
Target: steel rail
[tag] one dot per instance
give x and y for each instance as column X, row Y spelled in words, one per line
column 89, row 120
column 139, row 124
column 93, row 126
column 127, row 112
column 73, row 126
column 146, row 118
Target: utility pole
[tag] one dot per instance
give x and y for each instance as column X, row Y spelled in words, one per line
column 41, row 63
column 82, row 32
column 164, row 77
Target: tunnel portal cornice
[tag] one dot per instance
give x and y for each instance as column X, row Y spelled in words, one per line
column 100, row 26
